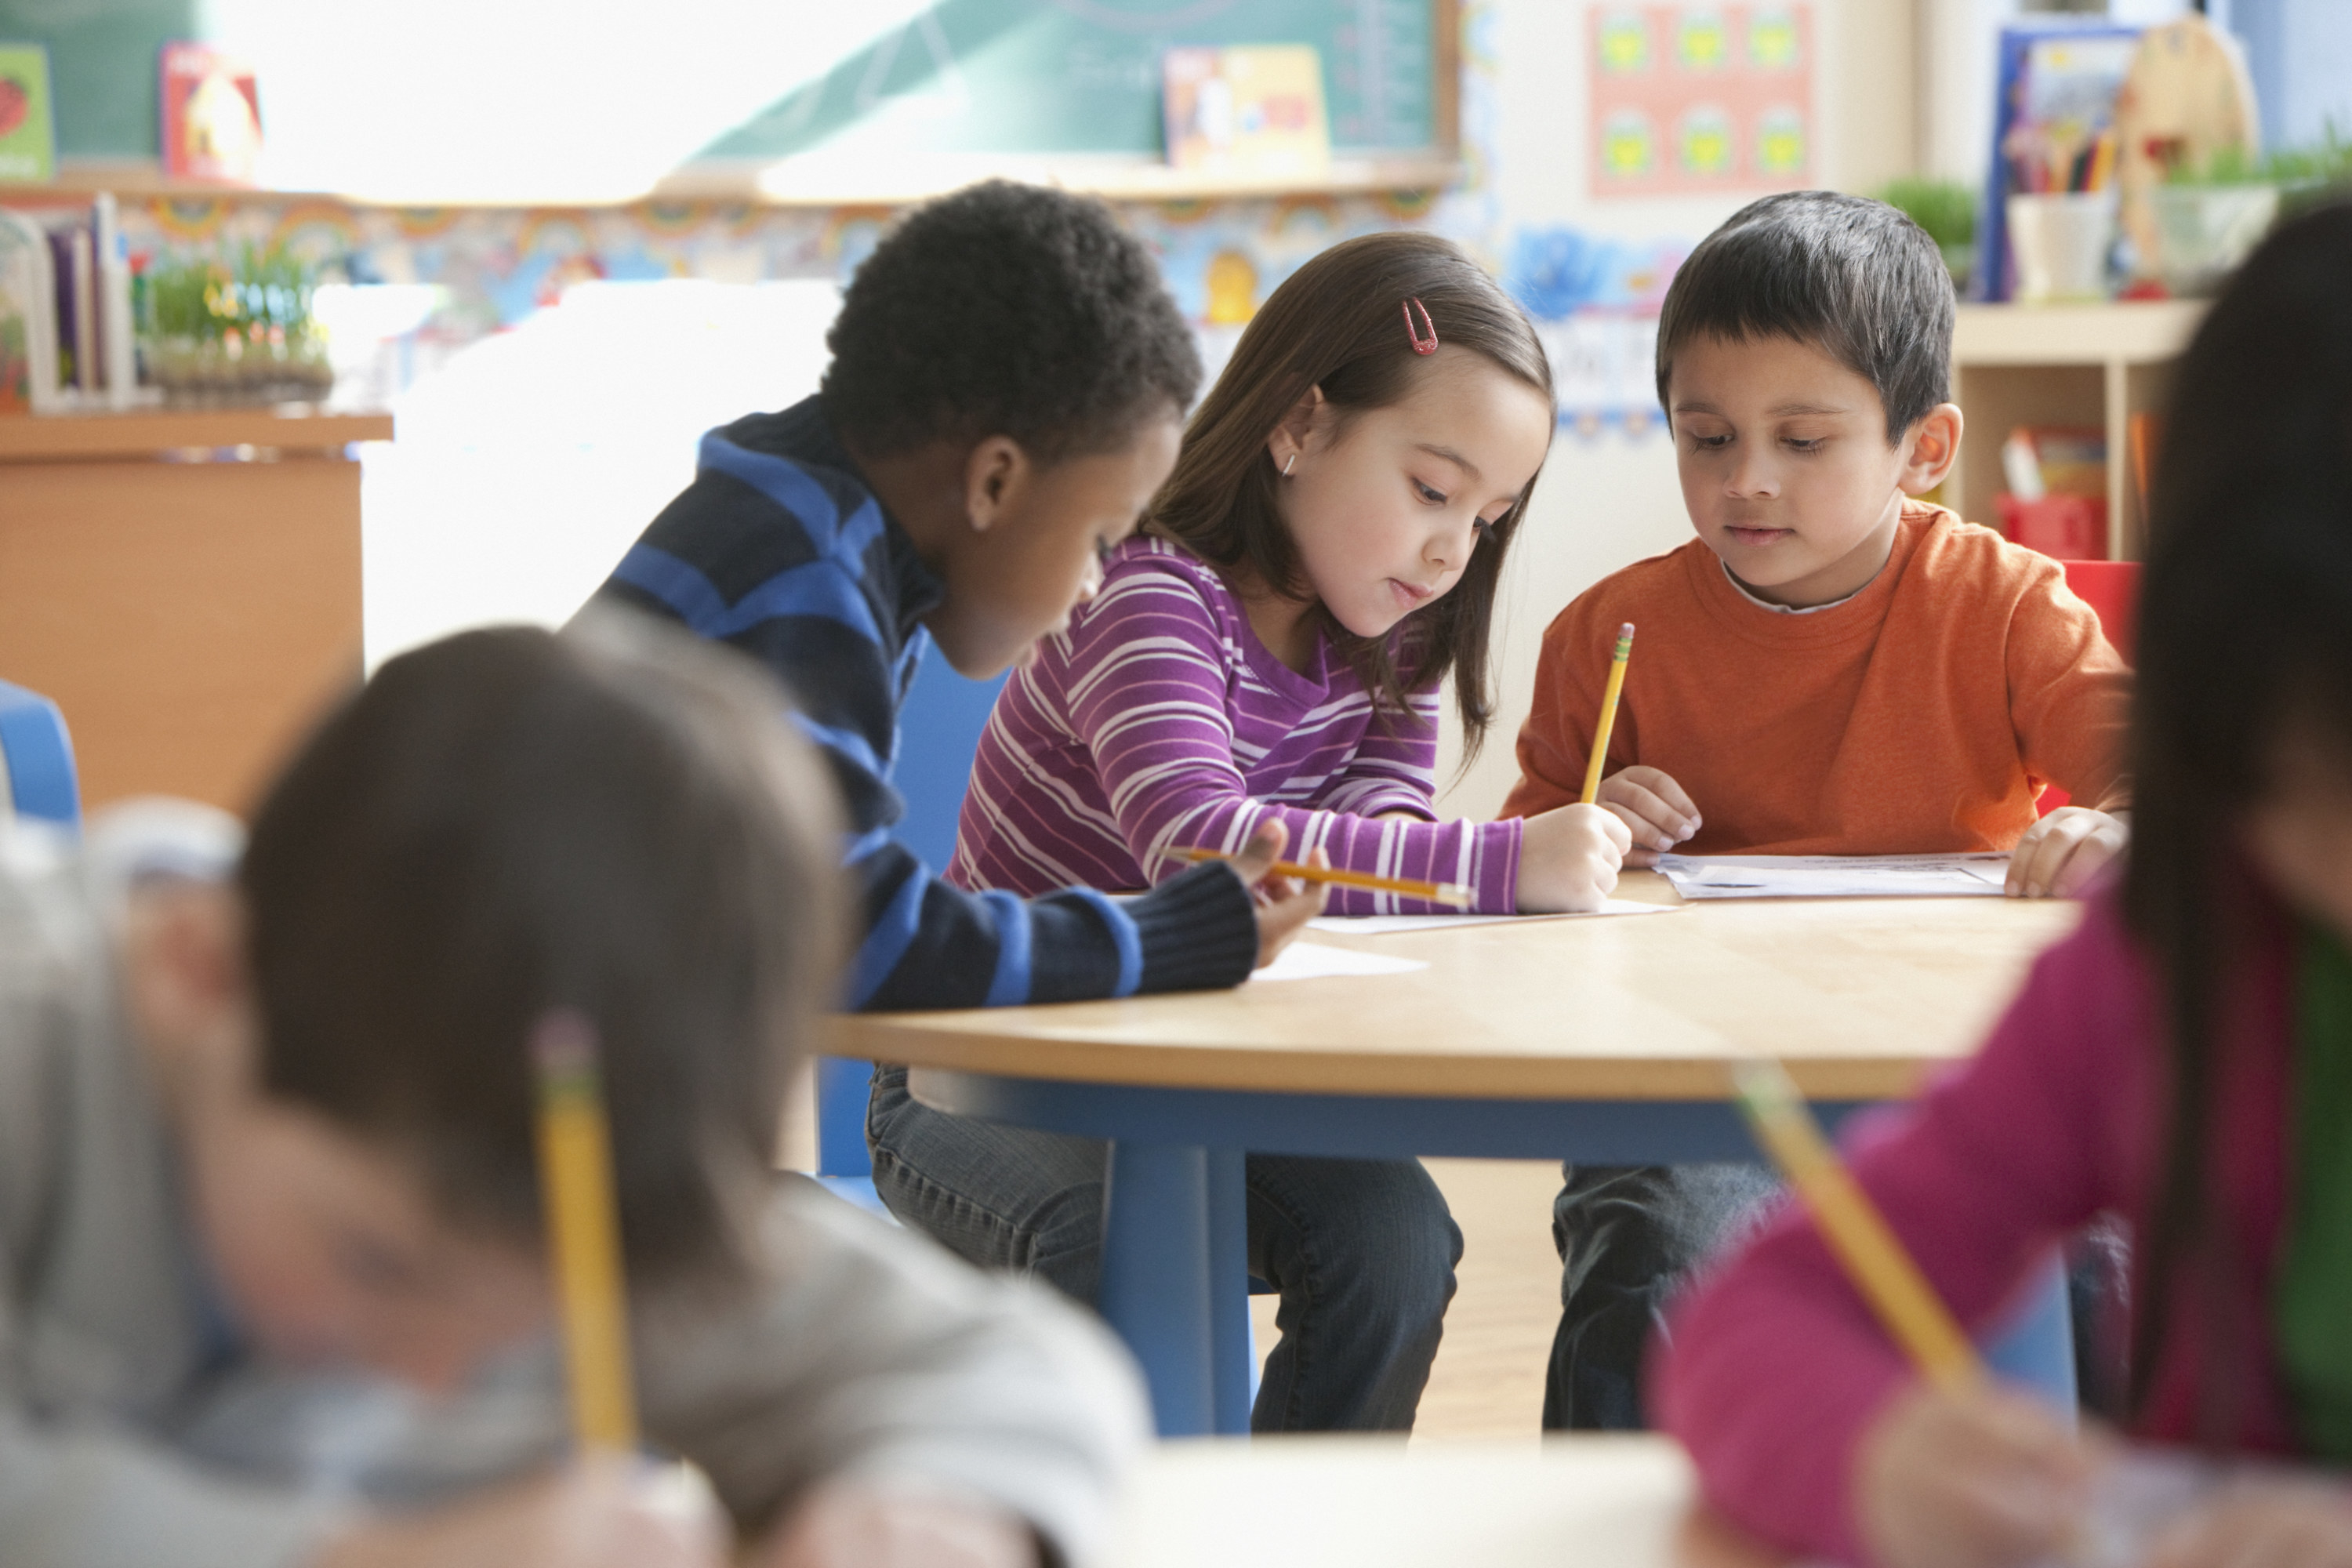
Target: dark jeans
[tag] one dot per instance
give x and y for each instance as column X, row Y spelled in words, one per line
column 1628, row 1237
column 1361, row 1251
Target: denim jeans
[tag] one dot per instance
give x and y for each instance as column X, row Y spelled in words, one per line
column 1628, row 1237
column 1361, row 1251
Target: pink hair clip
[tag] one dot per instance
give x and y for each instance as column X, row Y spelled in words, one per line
column 1421, row 345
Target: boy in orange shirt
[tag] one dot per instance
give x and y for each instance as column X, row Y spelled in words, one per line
column 1832, row 667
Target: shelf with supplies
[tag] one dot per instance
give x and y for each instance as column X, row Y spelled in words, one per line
column 2092, row 367
column 801, row 183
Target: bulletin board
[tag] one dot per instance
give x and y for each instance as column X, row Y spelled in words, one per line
column 1701, row 98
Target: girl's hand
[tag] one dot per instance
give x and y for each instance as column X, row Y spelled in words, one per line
column 851, row 1524
column 1658, row 810
column 599, row 1512
column 2301, row 1523
column 1284, row 905
column 1569, row 859
column 2061, row 853
column 1986, row 1480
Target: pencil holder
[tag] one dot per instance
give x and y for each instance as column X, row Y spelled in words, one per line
column 2061, row 244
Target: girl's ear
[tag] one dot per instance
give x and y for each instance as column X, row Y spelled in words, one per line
column 1930, row 448
column 189, row 989
column 1290, row 438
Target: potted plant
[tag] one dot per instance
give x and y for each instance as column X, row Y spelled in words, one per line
column 2209, row 217
column 234, row 331
column 1947, row 209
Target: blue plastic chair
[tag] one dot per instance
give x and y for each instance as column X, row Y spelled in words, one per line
column 940, row 726
column 36, row 761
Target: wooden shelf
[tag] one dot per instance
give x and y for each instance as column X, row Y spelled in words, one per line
column 2087, row 365
column 144, row 432
column 2138, row 333
column 805, row 183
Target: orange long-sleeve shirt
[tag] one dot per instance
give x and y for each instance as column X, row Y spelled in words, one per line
column 1923, row 714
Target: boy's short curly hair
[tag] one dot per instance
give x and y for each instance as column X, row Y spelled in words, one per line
column 1008, row 309
column 1851, row 277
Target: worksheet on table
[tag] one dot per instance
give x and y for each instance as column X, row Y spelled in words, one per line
column 1313, row 961
column 1836, row 875
column 1384, row 925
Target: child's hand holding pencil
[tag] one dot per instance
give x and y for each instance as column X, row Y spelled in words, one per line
column 1956, row 1471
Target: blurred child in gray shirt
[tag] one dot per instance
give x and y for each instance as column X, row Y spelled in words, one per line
column 271, row 1287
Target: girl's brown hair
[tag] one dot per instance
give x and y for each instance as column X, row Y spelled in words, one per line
column 1338, row 323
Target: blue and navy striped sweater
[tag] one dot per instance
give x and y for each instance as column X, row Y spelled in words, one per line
column 779, row 549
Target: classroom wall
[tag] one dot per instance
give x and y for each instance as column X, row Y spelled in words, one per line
column 1610, row 499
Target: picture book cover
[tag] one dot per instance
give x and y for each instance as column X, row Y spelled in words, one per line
column 28, row 142
column 1250, row 110
column 212, row 115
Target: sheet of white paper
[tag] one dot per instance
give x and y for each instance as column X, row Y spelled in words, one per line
column 1383, row 925
column 1834, row 876
column 2145, row 1490
column 1313, row 961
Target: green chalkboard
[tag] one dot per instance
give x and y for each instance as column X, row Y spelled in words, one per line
column 1083, row 76
column 104, row 56
column 962, row 76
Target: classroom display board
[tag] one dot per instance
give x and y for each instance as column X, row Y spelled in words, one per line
column 1690, row 99
column 1083, row 76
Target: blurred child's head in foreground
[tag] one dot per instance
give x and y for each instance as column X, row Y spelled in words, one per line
column 1336, row 461
column 1019, row 348
column 496, row 828
column 1804, row 364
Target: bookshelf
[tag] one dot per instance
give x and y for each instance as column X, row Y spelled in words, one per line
column 2091, row 366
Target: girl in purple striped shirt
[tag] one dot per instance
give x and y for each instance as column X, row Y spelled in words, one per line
column 1325, row 554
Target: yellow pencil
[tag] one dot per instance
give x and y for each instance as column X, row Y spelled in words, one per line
column 575, row 1162
column 1608, row 713
column 1435, row 892
column 1857, row 1232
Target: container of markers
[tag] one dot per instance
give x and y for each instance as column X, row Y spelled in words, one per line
column 2063, row 243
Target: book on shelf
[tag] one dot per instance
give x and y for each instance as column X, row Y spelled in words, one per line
column 212, row 115
column 1252, row 110
column 66, row 336
column 29, row 139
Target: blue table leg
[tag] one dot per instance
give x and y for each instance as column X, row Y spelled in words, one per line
column 1229, row 1323
column 1156, row 1275
column 2036, row 1347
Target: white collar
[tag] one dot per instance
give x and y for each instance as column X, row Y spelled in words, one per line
column 1741, row 589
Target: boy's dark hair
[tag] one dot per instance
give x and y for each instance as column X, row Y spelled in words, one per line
column 2246, row 635
column 1338, row 323
column 1008, row 309
column 1849, row 275
column 508, row 821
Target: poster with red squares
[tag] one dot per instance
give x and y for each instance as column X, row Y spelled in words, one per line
column 1693, row 99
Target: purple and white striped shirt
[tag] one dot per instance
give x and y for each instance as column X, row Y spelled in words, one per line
column 1159, row 721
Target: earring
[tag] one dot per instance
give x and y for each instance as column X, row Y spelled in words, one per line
column 1288, row 464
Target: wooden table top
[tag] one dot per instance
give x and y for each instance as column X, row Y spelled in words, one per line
column 147, row 432
column 1859, row 996
column 1373, row 1502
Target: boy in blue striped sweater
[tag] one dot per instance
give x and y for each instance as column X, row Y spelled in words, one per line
column 1007, row 380
column 982, row 438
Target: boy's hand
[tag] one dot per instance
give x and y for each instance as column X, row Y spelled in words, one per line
column 2060, row 854
column 1986, row 1480
column 600, row 1511
column 2302, row 1523
column 1569, row 859
column 1658, row 810
column 1284, row 905
column 852, row 1524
